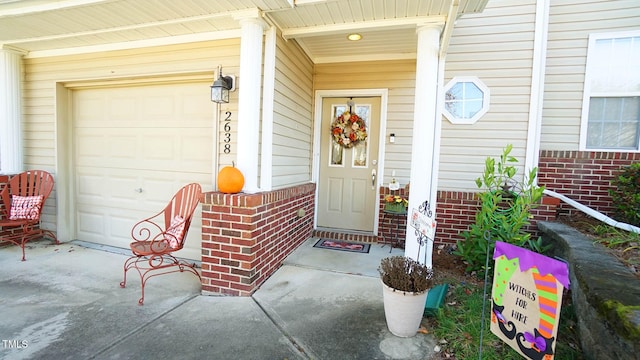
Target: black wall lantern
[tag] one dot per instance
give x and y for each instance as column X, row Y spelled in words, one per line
column 221, row 87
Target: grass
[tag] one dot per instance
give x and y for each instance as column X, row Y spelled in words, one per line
column 458, row 328
column 614, row 238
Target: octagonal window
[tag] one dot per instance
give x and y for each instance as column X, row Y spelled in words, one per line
column 466, row 100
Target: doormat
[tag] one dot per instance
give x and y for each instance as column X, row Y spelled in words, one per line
column 342, row 245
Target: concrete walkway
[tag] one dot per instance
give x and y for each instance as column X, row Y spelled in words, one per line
column 65, row 302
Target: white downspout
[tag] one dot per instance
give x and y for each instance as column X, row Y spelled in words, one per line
column 593, row 213
column 536, row 100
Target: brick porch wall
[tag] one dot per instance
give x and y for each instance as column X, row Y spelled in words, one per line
column 584, row 176
column 455, row 212
column 245, row 237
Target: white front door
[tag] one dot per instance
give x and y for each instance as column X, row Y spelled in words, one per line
column 134, row 147
column 348, row 175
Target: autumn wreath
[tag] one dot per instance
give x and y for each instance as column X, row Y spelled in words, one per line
column 348, row 129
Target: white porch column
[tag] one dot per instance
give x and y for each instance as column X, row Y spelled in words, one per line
column 249, row 84
column 424, row 134
column 10, row 112
column 268, row 89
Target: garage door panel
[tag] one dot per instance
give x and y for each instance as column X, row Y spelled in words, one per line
column 184, row 105
column 122, row 148
column 91, row 225
column 120, row 108
column 190, row 150
column 123, row 192
column 92, row 145
column 161, row 186
column 163, row 147
column 160, row 149
column 160, row 107
column 191, row 102
column 120, row 231
column 96, row 147
column 93, row 109
column 157, row 192
column 135, row 147
column 166, row 152
column 174, row 157
column 89, row 188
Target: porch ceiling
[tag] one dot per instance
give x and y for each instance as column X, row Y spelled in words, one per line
column 46, row 28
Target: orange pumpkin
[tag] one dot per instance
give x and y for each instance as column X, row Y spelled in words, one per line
column 230, row 180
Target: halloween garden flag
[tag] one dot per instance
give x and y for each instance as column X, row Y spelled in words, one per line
column 526, row 300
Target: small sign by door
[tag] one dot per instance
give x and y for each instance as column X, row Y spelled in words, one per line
column 423, row 223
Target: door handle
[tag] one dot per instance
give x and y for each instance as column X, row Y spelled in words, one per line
column 373, row 178
column 138, row 190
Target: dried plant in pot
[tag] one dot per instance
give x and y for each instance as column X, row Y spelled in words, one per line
column 405, row 274
column 405, row 284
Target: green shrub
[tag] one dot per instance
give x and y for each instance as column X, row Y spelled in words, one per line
column 626, row 195
column 505, row 206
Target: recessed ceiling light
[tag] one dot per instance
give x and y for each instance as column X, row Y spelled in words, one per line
column 354, row 37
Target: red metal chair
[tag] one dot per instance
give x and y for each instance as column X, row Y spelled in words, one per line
column 156, row 238
column 22, row 199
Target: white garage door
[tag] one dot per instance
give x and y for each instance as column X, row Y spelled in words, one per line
column 134, row 147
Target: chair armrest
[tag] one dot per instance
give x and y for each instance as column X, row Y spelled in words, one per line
column 146, row 230
column 152, row 229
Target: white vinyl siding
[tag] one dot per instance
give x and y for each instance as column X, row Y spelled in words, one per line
column 496, row 47
column 46, row 119
column 570, row 24
column 292, row 116
column 399, row 78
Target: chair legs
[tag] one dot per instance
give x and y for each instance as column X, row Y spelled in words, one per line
column 151, row 266
column 27, row 235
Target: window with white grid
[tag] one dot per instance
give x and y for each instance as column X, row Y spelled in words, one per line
column 611, row 106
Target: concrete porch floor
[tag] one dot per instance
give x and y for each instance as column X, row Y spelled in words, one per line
column 65, row 302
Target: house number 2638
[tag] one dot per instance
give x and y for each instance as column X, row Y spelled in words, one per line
column 227, row 133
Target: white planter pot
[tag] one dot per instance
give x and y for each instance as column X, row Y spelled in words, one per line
column 403, row 310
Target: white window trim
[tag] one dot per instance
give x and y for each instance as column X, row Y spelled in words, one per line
column 586, row 93
column 485, row 100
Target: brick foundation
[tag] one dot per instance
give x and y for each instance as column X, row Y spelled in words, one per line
column 245, row 237
column 456, row 211
column 390, row 226
column 584, row 176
